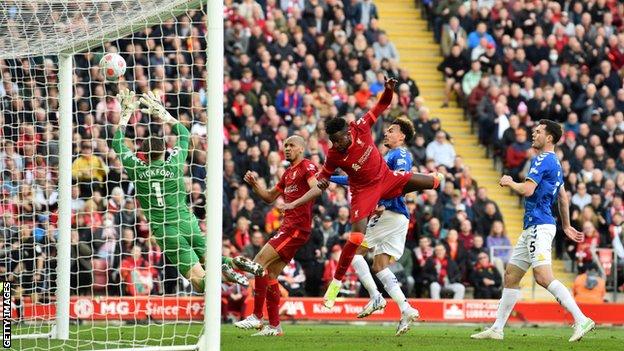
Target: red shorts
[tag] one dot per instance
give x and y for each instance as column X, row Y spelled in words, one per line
column 364, row 201
column 287, row 241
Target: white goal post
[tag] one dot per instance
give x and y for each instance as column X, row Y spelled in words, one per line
column 75, row 26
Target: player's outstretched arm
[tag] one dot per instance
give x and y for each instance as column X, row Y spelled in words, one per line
column 525, row 189
column 153, row 106
column 384, row 101
column 316, row 189
column 128, row 106
column 267, row 195
column 564, row 214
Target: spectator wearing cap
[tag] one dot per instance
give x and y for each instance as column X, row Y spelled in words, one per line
column 289, row 101
column 489, row 58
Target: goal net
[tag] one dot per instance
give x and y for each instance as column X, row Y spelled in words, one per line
column 67, row 186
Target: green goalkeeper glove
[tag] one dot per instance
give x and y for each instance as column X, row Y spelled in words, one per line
column 155, row 108
column 128, row 105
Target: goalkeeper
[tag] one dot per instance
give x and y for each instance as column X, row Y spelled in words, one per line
column 161, row 192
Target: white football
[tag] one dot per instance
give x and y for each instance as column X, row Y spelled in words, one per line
column 113, row 66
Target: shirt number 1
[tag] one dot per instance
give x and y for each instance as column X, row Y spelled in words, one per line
column 159, row 194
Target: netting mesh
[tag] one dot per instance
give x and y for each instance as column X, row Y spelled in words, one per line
column 123, row 287
column 35, row 27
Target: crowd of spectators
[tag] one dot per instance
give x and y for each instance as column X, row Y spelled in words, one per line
column 512, row 63
column 289, row 66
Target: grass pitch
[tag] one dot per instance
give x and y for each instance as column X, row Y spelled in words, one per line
column 343, row 337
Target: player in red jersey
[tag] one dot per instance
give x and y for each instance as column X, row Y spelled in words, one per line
column 294, row 232
column 370, row 180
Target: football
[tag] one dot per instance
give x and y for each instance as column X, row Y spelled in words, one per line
column 113, row 66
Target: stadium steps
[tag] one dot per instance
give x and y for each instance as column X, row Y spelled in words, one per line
column 421, row 56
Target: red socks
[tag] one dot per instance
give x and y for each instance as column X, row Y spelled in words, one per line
column 348, row 251
column 273, row 302
column 260, row 293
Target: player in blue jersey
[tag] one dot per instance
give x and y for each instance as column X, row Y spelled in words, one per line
column 386, row 232
column 542, row 187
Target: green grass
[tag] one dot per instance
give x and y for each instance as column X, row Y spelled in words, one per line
column 344, row 337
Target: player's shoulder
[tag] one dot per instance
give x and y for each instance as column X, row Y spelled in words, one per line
column 308, row 165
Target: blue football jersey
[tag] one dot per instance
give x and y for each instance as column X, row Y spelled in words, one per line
column 546, row 172
column 399, row 159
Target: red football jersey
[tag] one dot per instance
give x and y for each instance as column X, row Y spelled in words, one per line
column 293, row 185
column 362, row 161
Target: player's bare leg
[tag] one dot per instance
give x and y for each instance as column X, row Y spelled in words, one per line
column 358, row 229
column 273, row 296
column 511, row 294
column 544, row 277
column 420, row 181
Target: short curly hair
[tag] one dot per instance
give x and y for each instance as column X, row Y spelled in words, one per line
column 407, row 127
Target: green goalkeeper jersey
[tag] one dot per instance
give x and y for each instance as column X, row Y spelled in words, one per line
column 159, row 184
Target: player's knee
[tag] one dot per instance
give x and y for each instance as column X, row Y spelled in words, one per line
column 378, row 267
column 356, row 238
column 543, row 279
column 511, row 281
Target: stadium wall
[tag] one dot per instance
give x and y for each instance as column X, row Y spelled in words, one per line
column 311, row 309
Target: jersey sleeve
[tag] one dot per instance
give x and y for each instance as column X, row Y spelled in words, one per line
column 280, row 185
column 180, row 150
column 310, row 170
column 539, row 166
column 327, row 170
column 341, row 180
column 129, row 160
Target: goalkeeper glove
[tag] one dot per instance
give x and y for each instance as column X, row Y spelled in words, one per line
column 155, row 108
column 128, row 105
